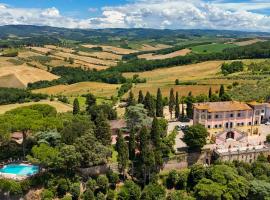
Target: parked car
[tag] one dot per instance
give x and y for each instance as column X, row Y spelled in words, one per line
column 267, row 123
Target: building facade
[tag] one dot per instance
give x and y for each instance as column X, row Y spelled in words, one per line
column 229, row 116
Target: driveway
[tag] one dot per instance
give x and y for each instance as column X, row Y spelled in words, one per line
column 179, row 144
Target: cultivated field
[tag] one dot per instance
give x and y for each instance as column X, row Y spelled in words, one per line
column 211, row 48
column 147, row 47
column 98, row 89
column 20, row 76
column 112, row 49
column 248, row 42
column 60, row 107
column 151, row 56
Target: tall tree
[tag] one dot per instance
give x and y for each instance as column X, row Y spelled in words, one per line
column 122, row 149
column 149, row 104
column 132, row 144
column 210, row 93
column 131, row 100
column 140, row 98
column 171, row 102
column 155, row 133
column 147, row 156
column 221, row 91
column 159, row 104
column 189, row 102
column 76, row 107
column 195, row 137
column 103, row 130
column 90, row 101
column 177, row 109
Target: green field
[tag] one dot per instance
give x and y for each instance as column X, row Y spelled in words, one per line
column 212, row 48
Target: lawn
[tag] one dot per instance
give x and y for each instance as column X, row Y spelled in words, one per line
column 212, row 48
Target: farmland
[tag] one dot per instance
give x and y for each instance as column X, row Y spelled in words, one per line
column 211, row 48
column 98, row 89
column 19, row 76
column 60, row 107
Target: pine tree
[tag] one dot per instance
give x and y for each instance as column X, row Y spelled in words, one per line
column 140, row 98
column 103, row 130
column 177, row 109
column 131, row 100
column 76, row 107
column 149, row 104
column 221, row 91
column 155, row 133
column 210, row 93
column 159, row 104
column 122, row 149
column 132, row 145
column 171, row 102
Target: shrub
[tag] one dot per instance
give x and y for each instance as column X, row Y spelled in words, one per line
column 63, row 187
column 47, row 194
column 102, row 182
column 75, row 191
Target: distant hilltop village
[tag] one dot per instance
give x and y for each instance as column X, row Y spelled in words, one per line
column 235, row 128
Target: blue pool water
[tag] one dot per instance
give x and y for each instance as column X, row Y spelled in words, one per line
column 19, row 169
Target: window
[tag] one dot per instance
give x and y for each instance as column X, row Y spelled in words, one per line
column 231, row 115
column 220, row 126
column 209, row 126
column 203, row 116
column 257, row 112
column 249, row 123
column 216, row 116
column 216, row 126
column 209, row 116
column 262, row 111
column 256, row 122
column 238, row 114
column 243, row 124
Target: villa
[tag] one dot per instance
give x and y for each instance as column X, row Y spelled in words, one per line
column 234, row 127
column 231, row 117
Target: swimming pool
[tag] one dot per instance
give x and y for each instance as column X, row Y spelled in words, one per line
column 19, row 169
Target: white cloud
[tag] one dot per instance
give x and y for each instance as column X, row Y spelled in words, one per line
column 175, row 14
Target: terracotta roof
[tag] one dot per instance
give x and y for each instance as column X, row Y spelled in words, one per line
column 118, row 124
column 222, row 106
column 255, row 103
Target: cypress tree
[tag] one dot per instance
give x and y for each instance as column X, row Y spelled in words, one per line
column 183, row 108
column 131, row 100
column 210, row 93
column 159, row 104
column 155, row 133
column 149, row 104
column 103, row 130
column 90, row 101
column 122, row 149
column 189, row 102
column 171, row 102
column 177, row 109
column 140, row 98
column 221, row 91
column 132, row 145
column 76, row 107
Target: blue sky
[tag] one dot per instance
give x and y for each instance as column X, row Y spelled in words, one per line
column 252, row 15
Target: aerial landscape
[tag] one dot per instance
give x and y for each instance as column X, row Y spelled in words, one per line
column 135, row 100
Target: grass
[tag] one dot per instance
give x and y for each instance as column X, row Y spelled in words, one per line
column 60, row 107
column 98, row 89
column 212, row 48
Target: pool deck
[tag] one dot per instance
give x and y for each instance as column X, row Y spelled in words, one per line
column 16, row 176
